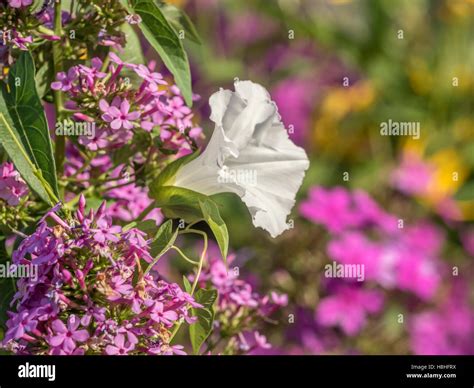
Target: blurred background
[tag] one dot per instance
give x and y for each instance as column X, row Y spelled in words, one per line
column 400, row 206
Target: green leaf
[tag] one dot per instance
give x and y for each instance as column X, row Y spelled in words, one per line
column 43, row 78
column 202, row 328
column 147, row 226
column 166, row 177
column 178, row 19
column 132, row 53
column 7, row 287
column 213, row 218
column 165, row 41
column 11, row 142
column 187, row 285
column 27, row 113
column 164, row 239
column 162, row 243
column 176, row 202
column 35, row 6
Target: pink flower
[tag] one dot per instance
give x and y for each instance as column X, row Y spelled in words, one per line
column 152, row 77
column 94, row 284
column 12, row 186
column 295, row 99
column 160, row 316
column 22, row 323
column 19, row 3
column 118, row 118
column 120, row 347
column 261, row 341
column 244, row 296
column 413, row 175
column 279, row 300
column 330, row 207
column 446, row 330
column 66, row 337
column 348, row 308
column 105, row 232
column 64, row 82
column 93, row 72
column 338, row 210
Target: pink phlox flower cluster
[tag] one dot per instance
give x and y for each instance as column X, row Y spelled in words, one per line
column 125, row 201
column 91, row 295
column 119, row 109
column 393, row 254
column 447, row 329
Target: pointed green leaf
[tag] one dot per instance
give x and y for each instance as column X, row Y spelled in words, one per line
column 213, row 218
column 11, row 142
column 162, row 243
column 164, row 40
column 180, row 21
column 27, row 114
column 187, row 285
column 200, row 330
column 177, row 202
column 132, row 53
column 164, row 239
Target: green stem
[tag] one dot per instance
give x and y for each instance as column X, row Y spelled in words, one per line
column 201, row 260
column 58, row 97
column 198, row 273
column 184, row 256
column 45, row 30
column 120, row 185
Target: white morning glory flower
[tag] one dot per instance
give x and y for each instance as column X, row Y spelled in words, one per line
column 249, row 154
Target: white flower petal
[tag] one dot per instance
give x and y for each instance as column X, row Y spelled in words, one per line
column 251, row 155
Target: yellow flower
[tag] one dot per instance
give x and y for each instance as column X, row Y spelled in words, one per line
column 342, row 100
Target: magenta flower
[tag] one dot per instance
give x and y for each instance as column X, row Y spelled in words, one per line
column 19, row 3
column 93, row 72
column 65, row 81
column 447, row 329
column 279, row 299
column 21, row 41
column 261, row 341
column 118, row 117
column 120, row 347
column 329, row 207
column 105, row 232
column 159, row 315
column 337, row 210
column 12, row 186
column 93, row 312
column 244, row 296
column 295, row 99
column 67, row 336
column 152, row 77
column 413, row 175
column 22, row 323
column 119, row 288
column 348, row 308
column 89, row 281
column 152, row 106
